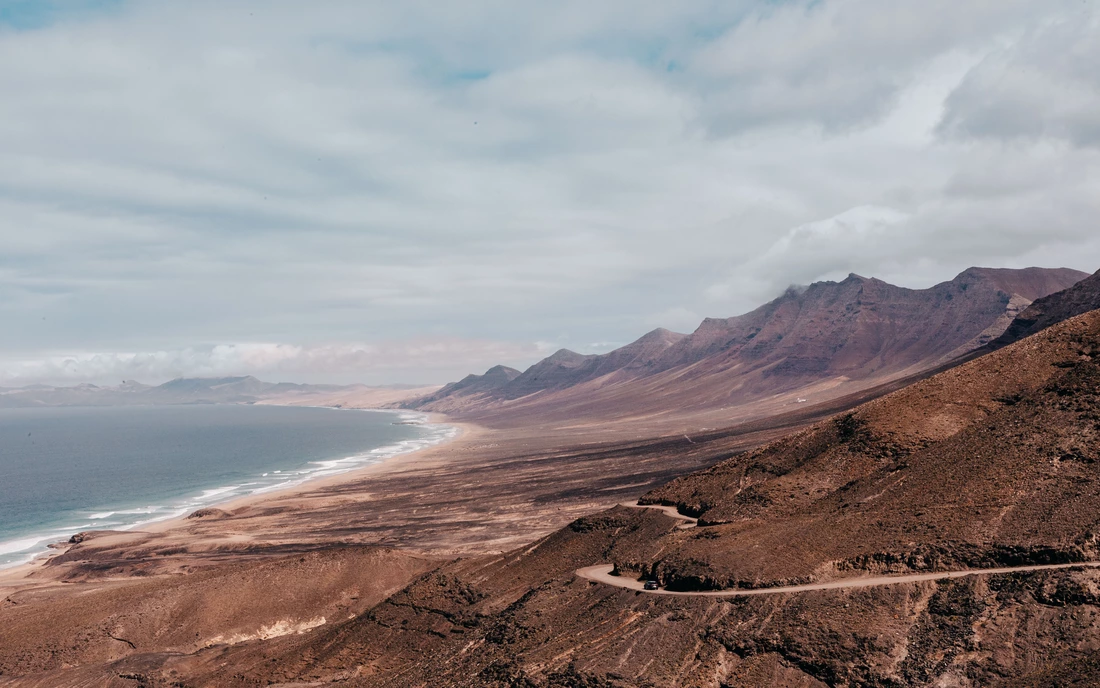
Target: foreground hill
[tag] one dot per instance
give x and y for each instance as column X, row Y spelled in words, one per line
column 819, row 341
column 991, row 463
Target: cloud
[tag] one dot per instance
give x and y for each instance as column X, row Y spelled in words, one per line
column 172, row 176
column 838, row 65
column 1044, row 85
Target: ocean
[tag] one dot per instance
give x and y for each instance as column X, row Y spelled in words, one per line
column 69, row 469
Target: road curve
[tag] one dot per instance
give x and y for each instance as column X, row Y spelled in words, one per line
column 602, row 574
column 688, row 521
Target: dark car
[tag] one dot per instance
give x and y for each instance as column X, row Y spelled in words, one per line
column 651, row 585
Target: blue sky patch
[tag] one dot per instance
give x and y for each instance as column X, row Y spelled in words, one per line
column 35, row 14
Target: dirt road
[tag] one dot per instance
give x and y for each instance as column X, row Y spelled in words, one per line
column 688, row 521
column 602, row 574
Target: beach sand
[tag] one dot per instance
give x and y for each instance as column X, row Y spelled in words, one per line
column 32, row 573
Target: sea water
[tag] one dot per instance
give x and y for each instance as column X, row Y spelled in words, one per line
column 70, row 469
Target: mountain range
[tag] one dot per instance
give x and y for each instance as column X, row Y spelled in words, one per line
column 811, row 343
column 815, row 342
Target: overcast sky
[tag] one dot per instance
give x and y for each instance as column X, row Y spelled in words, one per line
column 408, row 192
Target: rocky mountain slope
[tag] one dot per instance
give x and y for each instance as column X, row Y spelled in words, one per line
column 991, row 462
column 819, row 341
column 1051, row 310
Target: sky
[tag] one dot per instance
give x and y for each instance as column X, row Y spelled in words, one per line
column 377, row 192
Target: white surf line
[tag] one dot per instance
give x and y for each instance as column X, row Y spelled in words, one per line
column 602, row 574
column 27, row 546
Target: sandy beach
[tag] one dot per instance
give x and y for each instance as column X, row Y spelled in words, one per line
column 18, row 577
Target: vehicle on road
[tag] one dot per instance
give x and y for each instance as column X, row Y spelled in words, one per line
column 651, row 585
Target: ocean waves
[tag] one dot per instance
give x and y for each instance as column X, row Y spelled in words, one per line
column 21, row 547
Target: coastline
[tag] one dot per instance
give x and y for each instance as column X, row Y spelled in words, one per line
column 391, row 463
column 12, row 574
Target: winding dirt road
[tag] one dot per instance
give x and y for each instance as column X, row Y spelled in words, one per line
column 688, row 521
column 601, row 573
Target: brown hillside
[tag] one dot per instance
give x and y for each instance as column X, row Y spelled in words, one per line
column 993, row 461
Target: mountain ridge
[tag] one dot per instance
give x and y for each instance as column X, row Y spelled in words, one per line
column 859, row 329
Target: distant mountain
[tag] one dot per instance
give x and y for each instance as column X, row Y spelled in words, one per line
column 475, row 385
column 132, row 386
column 561, row 370
column 838, row 334
column 566, row 368
column 216, row 390
column 1051, row 310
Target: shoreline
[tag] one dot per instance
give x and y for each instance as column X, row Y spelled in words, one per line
column 463, row 430
column 11, row 574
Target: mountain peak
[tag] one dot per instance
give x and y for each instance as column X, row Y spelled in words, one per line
column 565, row 356
column 658, row 336
column 499, row 371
